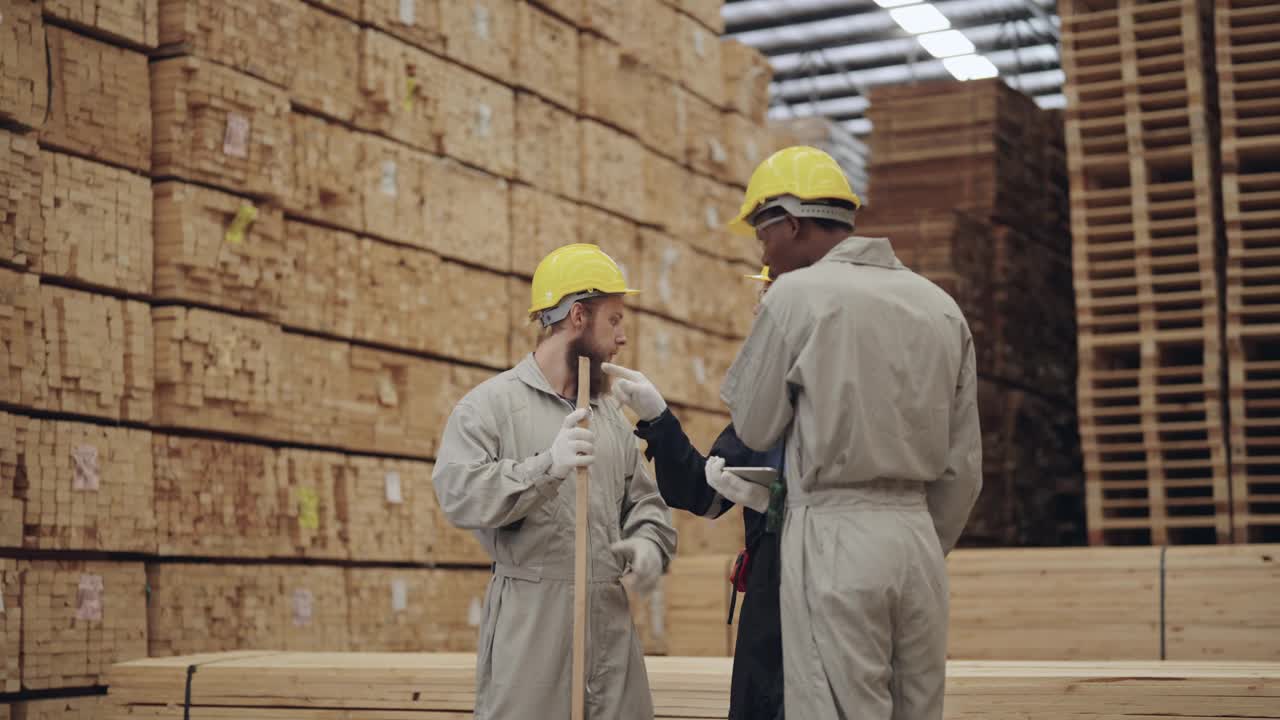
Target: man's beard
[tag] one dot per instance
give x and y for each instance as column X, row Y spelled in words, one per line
column 581, row 345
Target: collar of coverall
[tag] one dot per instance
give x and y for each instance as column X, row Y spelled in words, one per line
column 530, row 374
column 858, row 250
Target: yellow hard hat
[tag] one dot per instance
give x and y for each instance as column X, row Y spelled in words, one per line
column 575, row 269
column 801, row 172
column 763, row 276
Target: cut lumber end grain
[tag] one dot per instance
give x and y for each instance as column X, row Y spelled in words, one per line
column 327, row 79
column 716, row 203
column 706, row 12
column 315, row 503
column 652, row 36
column 480, row 34
column 131, row 21
column 381, row 500
column 395, row 186
column 21, row 222
column 403, row 91
column 24, row 76
column 704, row 143
column 11, row 626
column 572, row 11
column 478, row 115
column 617, row 236
column 546, row 55
column 326, row 178
column 99, row 354
column 470, row 216
column 684, row 362
column 665, row 118
column 217, row 249
column 97, row 224
column 13, row 437
column 541, row 222
column 747, row 75
column 700, row 66
column 218, row 372
column 747, row 143
column 258, row 37
column 417, row 22
column 98, row 101
column 548, row 155
column 216, row 498
column 23, row 374
column 613, row 170
column 411, row 610
column 88, row 487
column 668, row 196
column 614, row 85
column 78, row 619
column 220, row 127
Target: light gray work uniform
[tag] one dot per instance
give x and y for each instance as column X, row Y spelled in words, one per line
column 869, row 370
column 491, row 477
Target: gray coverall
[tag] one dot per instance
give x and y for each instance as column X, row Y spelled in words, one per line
column 869, row 370
column 491, row 477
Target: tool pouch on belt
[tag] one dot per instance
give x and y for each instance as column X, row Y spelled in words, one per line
column 738, row 579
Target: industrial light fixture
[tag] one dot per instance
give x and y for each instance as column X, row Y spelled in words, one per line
column 895, row 3
column 947, row 43
column 922, row 18
column 970, row 67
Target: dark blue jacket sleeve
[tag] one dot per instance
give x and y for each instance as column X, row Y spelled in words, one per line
column 680, row 468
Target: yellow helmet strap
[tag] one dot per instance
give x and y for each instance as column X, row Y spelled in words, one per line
column 553, row 315
column 796, row 207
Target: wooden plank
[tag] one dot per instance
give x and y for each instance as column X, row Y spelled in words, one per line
column 403, row 91
column 393, row 185
column 217, row 249
column 613, row 167
column 686, row 363
column 380, row 501
column 651, row 35
column 546, row 55
column 97, row 224
column 314, row 503
column 700, row 66
column 216, row 126
column 668, row 200
column 412, row 610
column 88, row 487
column 78, row 619
column 704, row 148
column 23, row 372
column 697, row 595
column 544, row 222
column 1216, row 603
column 11, row 625
column 747, row 143
column 327, row 62
column 216, row 498
column 257, row 37
column 417, row 22
column 21, row 222
column 462, row 217
column 706, row 12
column 478, row 123
column 548, row 155
column 613, row 85
column 83, row 707
column 747, row 75
column 24, row 74
column 436, row 540
column 96, row 91
column 717, row 204
column 693, row 287
column 480, row 34
column 663, row 129
column 132, row 21
column 13, row 437
column 99, row 355
column 327, row 183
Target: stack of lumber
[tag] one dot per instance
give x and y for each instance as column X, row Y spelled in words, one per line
column 1248, row 64
column 442, row 685
column 1142, row 148
column 967, row 182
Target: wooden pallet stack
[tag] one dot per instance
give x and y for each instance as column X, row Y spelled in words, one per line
column 1142, row 142
column 1248, row 65
column 251, row 254
column 966, row 179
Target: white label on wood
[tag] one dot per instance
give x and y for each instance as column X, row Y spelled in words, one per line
column 408, row 12
column 753, row 152
column 699, row 370
column 89, row 598
column 399, row 595
column 699, row 42
column 713, row 217
column 388, row 185
column 662, row 343
column 387, row 392
column 475, row 613
column 480, row 21
column 718, row 155
column 302, row 606
column 484, row 116
column 84, row 463
column 394, row 494
column 235, row 142
column 670, row 257
column 1, row 581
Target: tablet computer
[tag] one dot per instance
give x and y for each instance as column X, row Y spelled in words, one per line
column 759, row 475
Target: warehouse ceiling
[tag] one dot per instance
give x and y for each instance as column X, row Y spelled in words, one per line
column 827, row 54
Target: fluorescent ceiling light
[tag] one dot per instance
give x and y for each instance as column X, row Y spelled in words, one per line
column 970, row 67
column 921, row 18
column 895, row 3
column 946, row 43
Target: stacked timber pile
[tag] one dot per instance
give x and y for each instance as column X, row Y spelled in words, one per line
column 967, row 181
column 1248, row 62
column 323, row 685
column 251, row 255
column 1143, row 145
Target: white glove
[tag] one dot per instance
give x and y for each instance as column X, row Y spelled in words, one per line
column 633, row 389
column 574, row 446
column 736, row 489
column 646, row 564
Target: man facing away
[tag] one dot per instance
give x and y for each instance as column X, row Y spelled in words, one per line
column 507, row 449
column 868, row 371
